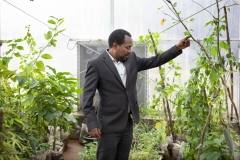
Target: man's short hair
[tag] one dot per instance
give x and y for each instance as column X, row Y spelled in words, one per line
column 117, row 36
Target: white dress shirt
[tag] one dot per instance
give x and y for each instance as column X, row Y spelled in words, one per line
column 120, row 68
column 121, row 71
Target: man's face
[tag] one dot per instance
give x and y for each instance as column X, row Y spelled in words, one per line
column 123, row 51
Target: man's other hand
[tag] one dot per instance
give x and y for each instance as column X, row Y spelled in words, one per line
column 95, row 133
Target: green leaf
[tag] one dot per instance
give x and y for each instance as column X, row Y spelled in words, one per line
column 18, row 40
column 51, row 21
column 49, row 116
column 214, row 51
column 159, row 8
column 68, row 110
column 69, row 117
column 53, row 17
column 141, row 39
column 46, row 56
column 53, row 43
column 224, row 45
column 33, row 84
column 156, row 35
column 28, row 100
column 21, row 80
column 187, row 33
column 33, row 43
column 52, row 69
column 60, row 31
column 223, row 27
column 61, row 108
column 210, row 156
column 48, row 35
column 213, row 76
column 79, row 91
column 231, row 144
column 20, row 48
column 6, row 60
column 210, row 22
column 209, row 40
column 17, row 54
column 40, row 115
column 8, row 74
column 18, row 121
column 192, row 19
column 151, row 49
column 175, row 4
column 40, row 65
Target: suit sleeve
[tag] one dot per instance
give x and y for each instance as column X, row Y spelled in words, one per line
column 89, row 89
column 158, row 60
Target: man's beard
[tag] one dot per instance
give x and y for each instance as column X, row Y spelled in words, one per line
column 123, row 59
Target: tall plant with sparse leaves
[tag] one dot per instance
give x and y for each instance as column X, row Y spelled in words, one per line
column 207, row 96
column 166, row 86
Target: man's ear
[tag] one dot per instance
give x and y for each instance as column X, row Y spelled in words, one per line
column 115, row 45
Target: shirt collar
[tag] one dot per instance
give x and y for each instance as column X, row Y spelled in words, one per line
column 111, row 56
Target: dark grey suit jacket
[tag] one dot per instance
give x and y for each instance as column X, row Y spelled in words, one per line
column 101, row 74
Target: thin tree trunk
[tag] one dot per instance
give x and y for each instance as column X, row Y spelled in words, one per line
column 205, row 127
column 164, row 99
column 230, row 56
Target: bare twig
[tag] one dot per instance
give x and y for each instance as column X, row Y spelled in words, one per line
column 235, row 4
column 171, row 9
column 170, row 16
column 204, row 8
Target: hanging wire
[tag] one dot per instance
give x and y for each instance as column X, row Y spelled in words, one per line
column 73, row 46
column 77, row 41
column 70, row 39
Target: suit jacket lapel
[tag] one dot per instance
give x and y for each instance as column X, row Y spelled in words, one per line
column 108, row 61
column 127, row 65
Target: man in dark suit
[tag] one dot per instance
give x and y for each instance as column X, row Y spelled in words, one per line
column 114, row 75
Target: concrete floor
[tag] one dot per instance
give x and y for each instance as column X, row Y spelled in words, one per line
column 73, row 148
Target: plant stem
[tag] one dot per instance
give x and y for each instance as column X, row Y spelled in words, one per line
column 230, row 56
column 166, row 105
column 47, row 45
column 54, row 134
column 217, row 36
column 205, row 126
column 166, row 115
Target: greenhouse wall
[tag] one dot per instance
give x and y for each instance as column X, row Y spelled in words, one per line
column 94, row 20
